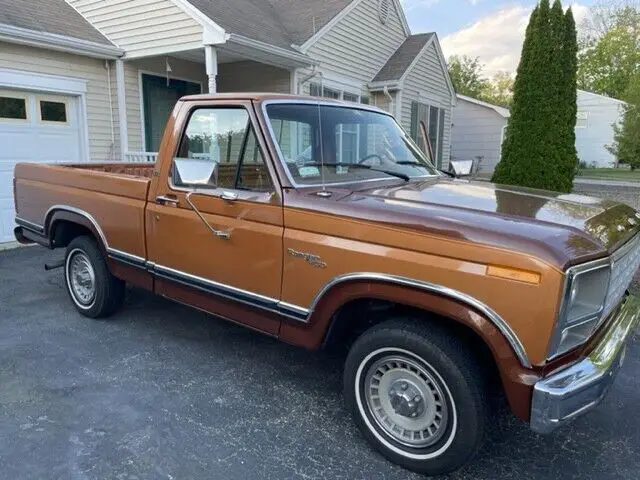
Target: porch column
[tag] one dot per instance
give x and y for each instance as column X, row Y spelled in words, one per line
column 122, row 109
column 211, row 59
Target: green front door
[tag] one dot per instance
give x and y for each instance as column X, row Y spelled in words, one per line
column 159, row 98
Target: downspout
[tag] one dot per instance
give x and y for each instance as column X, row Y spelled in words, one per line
column 304, row 80
column 385, row 90
column 113, row 131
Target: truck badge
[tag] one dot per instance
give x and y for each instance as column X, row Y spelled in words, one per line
column 313, row 260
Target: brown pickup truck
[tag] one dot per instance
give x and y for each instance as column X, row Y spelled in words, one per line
column 322, row 223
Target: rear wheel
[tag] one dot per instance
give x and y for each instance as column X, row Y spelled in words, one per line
column 93, row 290
column 417, row 395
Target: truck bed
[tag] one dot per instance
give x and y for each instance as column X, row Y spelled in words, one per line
column 113, row 195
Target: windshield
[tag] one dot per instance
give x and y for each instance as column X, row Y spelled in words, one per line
column 325, row 144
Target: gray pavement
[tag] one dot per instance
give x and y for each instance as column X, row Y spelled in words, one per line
column 165, row 392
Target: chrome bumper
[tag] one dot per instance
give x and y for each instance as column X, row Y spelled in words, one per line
column 564, row 395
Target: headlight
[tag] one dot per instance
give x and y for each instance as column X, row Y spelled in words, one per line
column 582, row 306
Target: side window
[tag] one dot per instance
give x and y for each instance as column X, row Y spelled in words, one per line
column 214, row 148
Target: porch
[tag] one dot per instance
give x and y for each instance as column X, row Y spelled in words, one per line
column 149, row 86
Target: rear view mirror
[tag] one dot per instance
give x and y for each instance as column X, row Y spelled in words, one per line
column 461, row 168
column 197, row 172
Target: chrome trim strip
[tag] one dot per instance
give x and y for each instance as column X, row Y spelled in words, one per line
column 496, row 319
column 216, row 285
column 263, row 302
column 295, row 308
column 125, row 257
column 353, row 106
column 626, row 248
column 29, row 225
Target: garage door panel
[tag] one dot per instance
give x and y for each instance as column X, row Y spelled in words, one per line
column 7, row 223
column 57, row 147
column 17, row 145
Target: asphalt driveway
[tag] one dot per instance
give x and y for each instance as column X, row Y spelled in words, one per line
column 162, row 391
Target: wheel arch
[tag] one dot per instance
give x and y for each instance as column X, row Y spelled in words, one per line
column 64, row 223
column 508, row 353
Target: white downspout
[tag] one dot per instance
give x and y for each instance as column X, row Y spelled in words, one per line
column 122, row 109
column 305, row 79
column 385, row 90
column 113, row 130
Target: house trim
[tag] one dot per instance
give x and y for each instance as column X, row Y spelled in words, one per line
column 342, row 14
column 61, row 43
column 40, row 82
column 300, row 59
column 213, row 33
column 503, row 112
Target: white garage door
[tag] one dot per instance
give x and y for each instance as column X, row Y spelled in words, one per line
column 34, row 127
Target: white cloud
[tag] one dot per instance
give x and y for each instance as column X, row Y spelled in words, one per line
column 497, row 38
column 409, row 5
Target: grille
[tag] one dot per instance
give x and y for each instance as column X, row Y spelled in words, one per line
column 626, row 262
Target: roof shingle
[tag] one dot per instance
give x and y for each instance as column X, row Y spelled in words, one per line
column 50, row 16
column 282, row 23
column 401, row 60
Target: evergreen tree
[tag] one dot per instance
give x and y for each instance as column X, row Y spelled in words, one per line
column 538, row 145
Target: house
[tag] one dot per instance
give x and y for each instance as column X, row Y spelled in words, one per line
column 478, row 132
column 96, row 80
column 479, row 128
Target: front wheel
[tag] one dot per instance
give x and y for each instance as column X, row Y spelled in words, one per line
column 417, row 395
column 94, row 291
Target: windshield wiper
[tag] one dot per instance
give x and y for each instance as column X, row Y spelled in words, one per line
column 418, row 164
column 403, row 176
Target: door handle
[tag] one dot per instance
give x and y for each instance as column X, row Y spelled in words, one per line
column 229, row 196
column 167, row 200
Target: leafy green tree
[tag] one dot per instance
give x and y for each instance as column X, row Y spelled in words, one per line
column 626, row 139
column 610, row 48
column 466, row 75
column 499, row 90
column 539, row 147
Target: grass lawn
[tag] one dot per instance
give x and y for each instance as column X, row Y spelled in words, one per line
column 611, row 174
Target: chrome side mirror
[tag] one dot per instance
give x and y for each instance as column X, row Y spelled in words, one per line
column 196, row 172
column 461, row 168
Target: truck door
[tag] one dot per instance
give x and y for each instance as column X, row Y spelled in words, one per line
column 215, row 219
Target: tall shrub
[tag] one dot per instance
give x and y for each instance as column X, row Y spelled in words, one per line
column 539, row 147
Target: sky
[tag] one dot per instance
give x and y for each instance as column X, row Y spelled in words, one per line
column 492, row 30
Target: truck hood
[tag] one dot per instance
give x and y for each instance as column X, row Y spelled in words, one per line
column 571, row 228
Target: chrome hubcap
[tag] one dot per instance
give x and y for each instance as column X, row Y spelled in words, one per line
column 406, row 400
column 82, row 278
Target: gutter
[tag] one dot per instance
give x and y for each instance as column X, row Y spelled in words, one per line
column 301, row 58
column 386, row 85
column 62, row 43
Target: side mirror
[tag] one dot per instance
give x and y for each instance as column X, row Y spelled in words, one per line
column 196, row 172
column 461, row 168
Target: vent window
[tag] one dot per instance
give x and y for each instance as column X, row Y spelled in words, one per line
column 383, row 11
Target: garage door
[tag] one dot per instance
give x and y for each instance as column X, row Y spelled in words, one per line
column 38, row 128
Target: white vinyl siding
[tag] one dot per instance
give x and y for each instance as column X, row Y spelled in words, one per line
column 595, row 130
column 181, row 69
column 142, row 27
column 477, row 132
column 101, row 146
column 249, row 76
column 426, row 83
column 359, row 45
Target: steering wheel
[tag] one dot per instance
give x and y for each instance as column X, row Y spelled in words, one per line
column 372, row 155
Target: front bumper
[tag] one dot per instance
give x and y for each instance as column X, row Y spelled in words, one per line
column 563, row 396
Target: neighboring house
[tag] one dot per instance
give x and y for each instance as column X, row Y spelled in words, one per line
column 479, row 127
column 96, row 80
column 477, row 132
